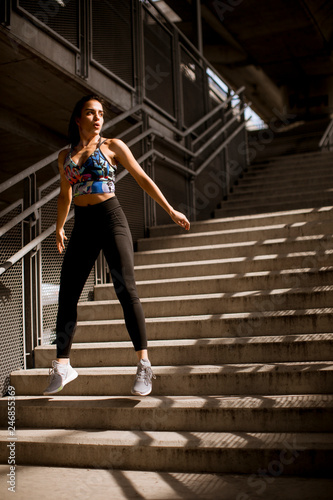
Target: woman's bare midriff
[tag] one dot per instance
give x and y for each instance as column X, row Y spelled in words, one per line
column 91, row 199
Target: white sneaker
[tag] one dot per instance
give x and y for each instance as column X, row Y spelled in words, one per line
column 143, row 379
column 60, row 375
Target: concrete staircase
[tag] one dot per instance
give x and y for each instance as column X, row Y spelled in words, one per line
column 239, row 317
column 283, row 183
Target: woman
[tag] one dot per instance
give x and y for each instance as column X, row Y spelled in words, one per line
column 87, row 172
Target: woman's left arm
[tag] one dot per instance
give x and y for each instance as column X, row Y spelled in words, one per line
column 124, row 155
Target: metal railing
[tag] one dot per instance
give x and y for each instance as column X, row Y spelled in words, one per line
column 326, row 142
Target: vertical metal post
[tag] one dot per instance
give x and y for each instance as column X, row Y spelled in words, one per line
column 176, row 79
column 39, row 281
column 178, row 83
column 192, row 201
column 5, row 7
column 32, row 293
column 99, row 270
column 139, row 57
column 247, row 158
column 225, row 156
column 85, row 31
column 197, row 24
column 151, row 204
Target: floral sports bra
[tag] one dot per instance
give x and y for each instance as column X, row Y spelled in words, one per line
column 95, row 175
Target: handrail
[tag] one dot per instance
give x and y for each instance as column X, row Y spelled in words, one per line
column 219, row 149
column 30, row 246
column 11, row 207
column 211, row 113
column 199, row 122
column 28, row 211
column 217, row 134
column 48, row 159
column 155, row 152
column 193, row 154
column 28, row 171
column 209, row 129
column 326, row 134
column 122, row 116
column 129, row 130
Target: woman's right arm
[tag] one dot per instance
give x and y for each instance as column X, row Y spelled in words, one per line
column 64, row 203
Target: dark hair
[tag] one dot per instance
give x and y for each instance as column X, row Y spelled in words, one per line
column 73, row 129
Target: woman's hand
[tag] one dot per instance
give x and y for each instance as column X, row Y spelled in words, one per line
column 64, row 202
column 180, row 219
column 61, row 237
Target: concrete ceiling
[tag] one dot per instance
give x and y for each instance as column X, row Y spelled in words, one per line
column 281, row 50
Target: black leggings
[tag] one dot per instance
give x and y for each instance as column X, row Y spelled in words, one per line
column 99, row 227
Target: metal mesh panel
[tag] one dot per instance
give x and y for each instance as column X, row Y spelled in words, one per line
column 51, row 268
column 210, row 187
column 173, row 185
column 193, row 88
column 131, row 196
column 112, row 41
column 215, row 182
column 11, row 304
column 61, row 16
column 236, row 155
column 158, row 79
column 172, row 182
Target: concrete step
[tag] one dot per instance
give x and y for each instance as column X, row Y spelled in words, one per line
column 227, row 283
column 302, row 157
column 289, row 170
column 284, row 186
column 281, row 198
column 310, row 412
column 190, row 380
column 298, row 453
column 281, row 195
column 294, row 160
column 323, row 197
column 245, row 249
column 260, row 263
column 281, row 173
column 105, row 484
column 270, row 349
column 275, row 231
column 230, row 211
column 246, row 324
column 215, row 303
column 285, row 217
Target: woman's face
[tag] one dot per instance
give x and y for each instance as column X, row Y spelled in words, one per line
column 91, row 119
